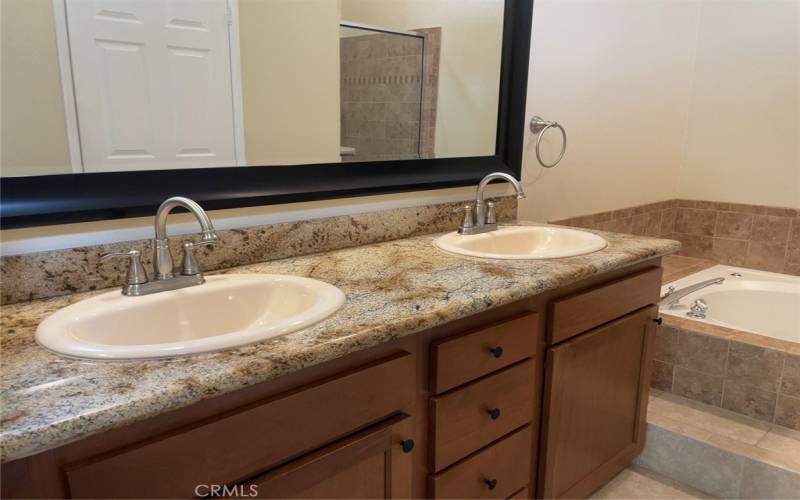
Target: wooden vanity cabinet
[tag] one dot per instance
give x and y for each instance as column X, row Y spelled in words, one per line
column 373, row 463
column 543, row 397
column 597, row 385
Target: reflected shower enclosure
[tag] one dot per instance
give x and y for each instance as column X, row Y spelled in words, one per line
column 388, row 97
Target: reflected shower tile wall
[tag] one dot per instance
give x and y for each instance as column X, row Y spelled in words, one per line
column 387, row 86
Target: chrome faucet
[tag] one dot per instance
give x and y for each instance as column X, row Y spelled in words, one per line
column 672, row 297
column 136, row 282
column 162, row 258
column 484, row 219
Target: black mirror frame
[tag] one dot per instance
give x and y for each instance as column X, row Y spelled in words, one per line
column 69, row 198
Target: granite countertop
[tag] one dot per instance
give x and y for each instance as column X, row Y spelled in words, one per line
column 393, row 289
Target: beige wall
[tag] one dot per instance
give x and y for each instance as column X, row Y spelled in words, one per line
column 34, row 137
column 663, row 99
column 469, row 65
column 617, row 75
column 744, row 118
column 290, row 80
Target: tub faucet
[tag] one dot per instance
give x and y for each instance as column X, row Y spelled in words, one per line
column 164, row 279
column 484, row 219
column 672, row 297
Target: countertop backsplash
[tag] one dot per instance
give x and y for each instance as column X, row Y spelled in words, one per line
column 60, row 272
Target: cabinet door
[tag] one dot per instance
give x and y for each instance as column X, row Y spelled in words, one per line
column 373, row 463
column 597, row 386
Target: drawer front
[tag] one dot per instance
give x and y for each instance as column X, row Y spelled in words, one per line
column 250, row 440
column 495, row 472
column 462, row 358
column 369, row 464
column 469, row 418
column 523, row 493
column 588, row 309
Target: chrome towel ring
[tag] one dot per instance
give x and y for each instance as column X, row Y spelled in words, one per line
column 540, row 126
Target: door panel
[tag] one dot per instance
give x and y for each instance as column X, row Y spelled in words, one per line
column 152, row 83
column 595, row 404
column 369, row 464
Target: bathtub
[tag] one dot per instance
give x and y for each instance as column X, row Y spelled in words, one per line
column 748, row 300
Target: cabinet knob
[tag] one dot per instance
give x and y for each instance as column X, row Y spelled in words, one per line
column 491, row 483
column 494, row 413
column 496, row 351
column 659, row 321
column 407, row 445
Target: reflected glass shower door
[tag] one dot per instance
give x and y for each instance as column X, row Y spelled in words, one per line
column 381, row 94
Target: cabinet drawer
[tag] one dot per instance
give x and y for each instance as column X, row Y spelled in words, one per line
column 523, row 493
column 369, row 464
column 588, row 309
column 458, row 359
column 506, row 466
column 250, row 440
column 469, row 418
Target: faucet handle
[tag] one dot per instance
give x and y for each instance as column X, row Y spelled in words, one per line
column 189, row 265
column 468, row 222
column 136, row 274
column 491, row 217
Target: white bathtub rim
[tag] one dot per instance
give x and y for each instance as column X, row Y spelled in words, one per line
column 751, row 280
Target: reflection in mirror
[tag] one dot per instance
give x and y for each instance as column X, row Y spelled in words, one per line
column 116, row 85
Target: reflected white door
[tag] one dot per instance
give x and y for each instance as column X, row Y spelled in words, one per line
column 152, row 83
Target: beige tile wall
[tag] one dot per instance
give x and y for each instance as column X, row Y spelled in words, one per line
column 751, row 380
column 752, row 236
column 653, row 219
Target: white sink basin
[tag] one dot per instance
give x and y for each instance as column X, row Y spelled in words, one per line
column 523, row 242
column 225, row 312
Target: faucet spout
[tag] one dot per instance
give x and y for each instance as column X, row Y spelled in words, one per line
column 672, row 297
column 162, row 257
column 480, row 206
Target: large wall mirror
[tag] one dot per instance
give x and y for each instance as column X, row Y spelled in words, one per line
column 110, row 105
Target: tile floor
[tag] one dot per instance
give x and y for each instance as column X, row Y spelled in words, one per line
column 638, row 483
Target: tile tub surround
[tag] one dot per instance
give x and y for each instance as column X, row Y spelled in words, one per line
column 59, row 272
column 720, row 452
column 653, row 219
column 742, row 372
column 680, row 266
column 393, row 289
column 752, row 236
